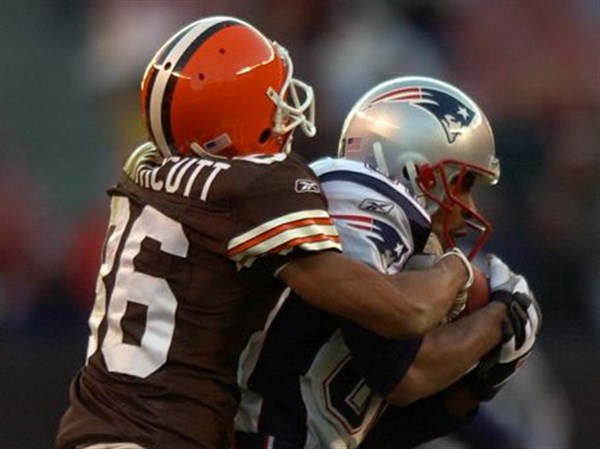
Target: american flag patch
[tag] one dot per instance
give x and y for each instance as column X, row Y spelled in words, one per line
column 353, row 144
column 217, row 144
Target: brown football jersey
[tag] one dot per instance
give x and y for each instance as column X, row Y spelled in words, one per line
column 188, row 273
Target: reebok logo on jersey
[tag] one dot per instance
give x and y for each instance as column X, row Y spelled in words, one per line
column 379, row 207
column 307, row 186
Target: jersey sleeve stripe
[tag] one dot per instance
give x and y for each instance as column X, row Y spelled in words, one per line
column 315, row 215
column 306, row 242
column 290, row 226
column 420, row 222
column 356, row 221
column 416, row 212
column 286, row 238
column 316, row 243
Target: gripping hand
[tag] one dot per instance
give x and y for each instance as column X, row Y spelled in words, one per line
column 423, row 261
column 523, row 315
column 519, row 330
column 461, row 298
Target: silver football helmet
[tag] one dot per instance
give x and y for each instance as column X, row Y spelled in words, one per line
column 427, row 135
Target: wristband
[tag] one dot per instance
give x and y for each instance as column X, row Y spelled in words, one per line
column 470, row 276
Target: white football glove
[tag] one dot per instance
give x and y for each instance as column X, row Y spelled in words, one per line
column 519, row 331
column 523, row 316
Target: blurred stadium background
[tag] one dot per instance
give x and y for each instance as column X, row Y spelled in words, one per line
column 69, row 111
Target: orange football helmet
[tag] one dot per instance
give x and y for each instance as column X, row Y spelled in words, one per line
column 220, row 86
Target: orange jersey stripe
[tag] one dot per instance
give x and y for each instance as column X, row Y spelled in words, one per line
column 300, row 240
column 278, row 230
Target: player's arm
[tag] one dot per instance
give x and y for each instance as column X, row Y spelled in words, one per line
column 402, row 427
column 453, row 407
column 297, row 226
column 448, row 351
column 446, row 412
column 404, row 305
column 496, row 338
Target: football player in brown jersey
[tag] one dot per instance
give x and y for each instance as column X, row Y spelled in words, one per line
column 209, row 224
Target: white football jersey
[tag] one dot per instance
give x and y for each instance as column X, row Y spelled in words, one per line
column 378, row 220
column 316, row 380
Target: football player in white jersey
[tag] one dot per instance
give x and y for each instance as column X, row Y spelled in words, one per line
column 400, row 193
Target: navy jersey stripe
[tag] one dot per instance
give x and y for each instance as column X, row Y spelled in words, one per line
column 419, row 224
column 306, row 329
column 391, row 357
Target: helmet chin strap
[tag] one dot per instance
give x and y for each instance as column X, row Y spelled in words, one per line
column 411, row 170
column 420, row 197
column 380, row 159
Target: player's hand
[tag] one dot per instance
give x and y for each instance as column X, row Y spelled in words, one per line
column 423, row 261
column 485, row 381
column 523, row 315
column 519, row 331
column 490, row 376
column 461, row 298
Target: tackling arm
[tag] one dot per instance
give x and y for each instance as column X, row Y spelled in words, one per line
column 448, row 352
column 402, row 427
column 497, row 339
column 404, row 305
column 519, row 315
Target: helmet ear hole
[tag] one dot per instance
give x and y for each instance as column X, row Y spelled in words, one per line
column 405, row 173
column 264, row 136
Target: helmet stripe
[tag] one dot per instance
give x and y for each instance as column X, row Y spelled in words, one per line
column 151, row 79
column 176, row 53
column 185, row 57
column 163, row 52
column 158, row 61
column 189, row 51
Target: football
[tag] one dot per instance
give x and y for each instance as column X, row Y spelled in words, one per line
column 479, row 293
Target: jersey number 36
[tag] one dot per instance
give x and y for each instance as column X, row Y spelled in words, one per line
column 135, row 293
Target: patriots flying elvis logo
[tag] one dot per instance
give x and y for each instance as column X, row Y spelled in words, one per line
column 453, row 115
column 386, row 238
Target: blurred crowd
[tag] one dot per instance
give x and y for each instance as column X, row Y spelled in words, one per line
column 70, row 112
